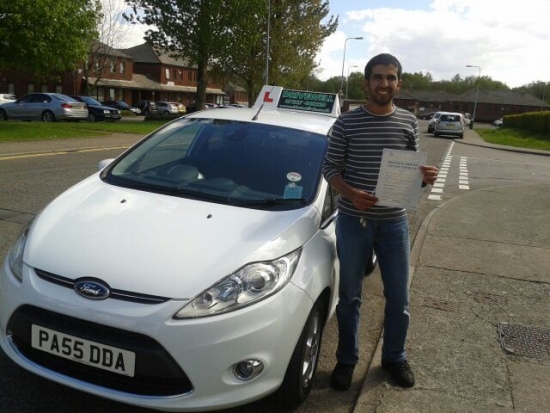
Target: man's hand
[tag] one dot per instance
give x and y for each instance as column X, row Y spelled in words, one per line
column 429, row 174
column 362, row 200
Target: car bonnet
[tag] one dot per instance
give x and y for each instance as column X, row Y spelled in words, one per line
column 157, row 244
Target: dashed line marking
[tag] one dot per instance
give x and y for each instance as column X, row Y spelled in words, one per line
column 463, row 178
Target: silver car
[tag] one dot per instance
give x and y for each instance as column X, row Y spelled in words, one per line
column 433, row 120
column 47, row 107
column 450, row 123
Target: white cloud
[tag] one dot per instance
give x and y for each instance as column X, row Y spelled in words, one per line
column 508, row 40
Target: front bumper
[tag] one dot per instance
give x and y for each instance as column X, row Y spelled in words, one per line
column 198, row 354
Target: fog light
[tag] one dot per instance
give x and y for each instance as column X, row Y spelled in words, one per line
column 248, row 369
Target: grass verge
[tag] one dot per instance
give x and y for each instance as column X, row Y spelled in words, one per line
column 516, row 138
column 19, row 131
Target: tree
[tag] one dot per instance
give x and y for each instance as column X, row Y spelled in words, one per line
column 538, row 89
column 111, row 33
column 230, row 35
column 45, row 37
column 187, row 29
column 296, row 34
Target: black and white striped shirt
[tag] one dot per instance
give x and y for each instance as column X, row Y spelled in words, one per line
column 357, row 140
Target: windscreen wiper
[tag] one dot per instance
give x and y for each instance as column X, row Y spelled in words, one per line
column 272, row 201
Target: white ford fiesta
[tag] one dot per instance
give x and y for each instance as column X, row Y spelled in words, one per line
column 194, row 272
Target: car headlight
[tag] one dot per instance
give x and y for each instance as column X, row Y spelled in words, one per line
column 106, row 112
column 246, row 286
column 15, row 254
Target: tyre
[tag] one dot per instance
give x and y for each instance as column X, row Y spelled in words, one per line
column 3, row 115
column 92, row 117
column 436, row 134
column 48, row 116
column 461, row 136
column 301, row 369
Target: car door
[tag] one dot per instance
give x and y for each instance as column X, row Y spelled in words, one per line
column 20, row 108
column 38, row 104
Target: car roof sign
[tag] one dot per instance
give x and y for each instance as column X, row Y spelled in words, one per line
column 276, row 97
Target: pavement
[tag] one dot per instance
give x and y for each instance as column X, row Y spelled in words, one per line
column 479, row 338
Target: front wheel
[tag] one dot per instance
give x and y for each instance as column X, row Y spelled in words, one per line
column 92, row 117
column 48, row 116
column 298, row 379
column 3, row 115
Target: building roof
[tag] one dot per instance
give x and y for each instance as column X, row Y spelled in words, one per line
column 147, row 53
column 146, row 83
column 504, row 97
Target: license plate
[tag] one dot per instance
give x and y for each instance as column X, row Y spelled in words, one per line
column 83, row 351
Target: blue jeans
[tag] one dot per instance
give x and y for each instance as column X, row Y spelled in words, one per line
column 390, row 241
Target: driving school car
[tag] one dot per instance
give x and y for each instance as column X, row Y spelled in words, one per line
column 194, row 272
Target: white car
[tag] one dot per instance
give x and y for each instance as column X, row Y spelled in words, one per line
column 7, row 97
column 194, row 272
column 433, row 120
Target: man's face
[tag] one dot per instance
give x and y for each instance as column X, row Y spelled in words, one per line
column 382, row 85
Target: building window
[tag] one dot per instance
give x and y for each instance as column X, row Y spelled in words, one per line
column 58, row 89
column 30, row 87
column 113, row 67
column 100, row 93
column 120, row 94
column 44, row 88
column 11, row 87
column 167, row 74
column 111, row 94
column 122, row 67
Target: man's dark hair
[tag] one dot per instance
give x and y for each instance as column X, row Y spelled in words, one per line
column 384, row 59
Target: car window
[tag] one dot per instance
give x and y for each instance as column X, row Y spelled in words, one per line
column 90, row 101
column 234, row 161
column 450, row 118
column 40, row 98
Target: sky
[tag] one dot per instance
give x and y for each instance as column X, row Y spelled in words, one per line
column 509, row 40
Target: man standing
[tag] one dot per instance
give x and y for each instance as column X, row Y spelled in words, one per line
column 351, row 166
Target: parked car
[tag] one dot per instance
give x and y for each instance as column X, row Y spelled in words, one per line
column 7, row 97
column 194, row 272
column 97, row 111
column 182, row 110
column 147, row 107
column 121, row 105
column 426, row 116
column 167, row 108
column 47, row 107
column 498, row 122
column 450, row 123
column 433, row 120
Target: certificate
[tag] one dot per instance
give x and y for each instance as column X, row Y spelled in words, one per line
column 400, row 179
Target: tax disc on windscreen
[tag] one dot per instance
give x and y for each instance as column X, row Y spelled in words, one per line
column 294, row 177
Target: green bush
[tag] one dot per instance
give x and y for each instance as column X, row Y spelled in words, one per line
column 537, row 122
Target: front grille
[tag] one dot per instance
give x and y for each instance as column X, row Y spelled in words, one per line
column 156, row 372
column 115, row 294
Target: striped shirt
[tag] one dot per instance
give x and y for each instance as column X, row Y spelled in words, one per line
column 357, row 140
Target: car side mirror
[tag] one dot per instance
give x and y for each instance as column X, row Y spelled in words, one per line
column 102, row 164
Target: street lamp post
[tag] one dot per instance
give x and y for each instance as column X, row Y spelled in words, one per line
column 344, row 62
column 347, row 79
column 267, row 43
column 477, row 93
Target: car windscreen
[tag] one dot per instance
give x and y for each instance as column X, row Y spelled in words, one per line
column 90, row 101
column 238, row 163
column 450, row 118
